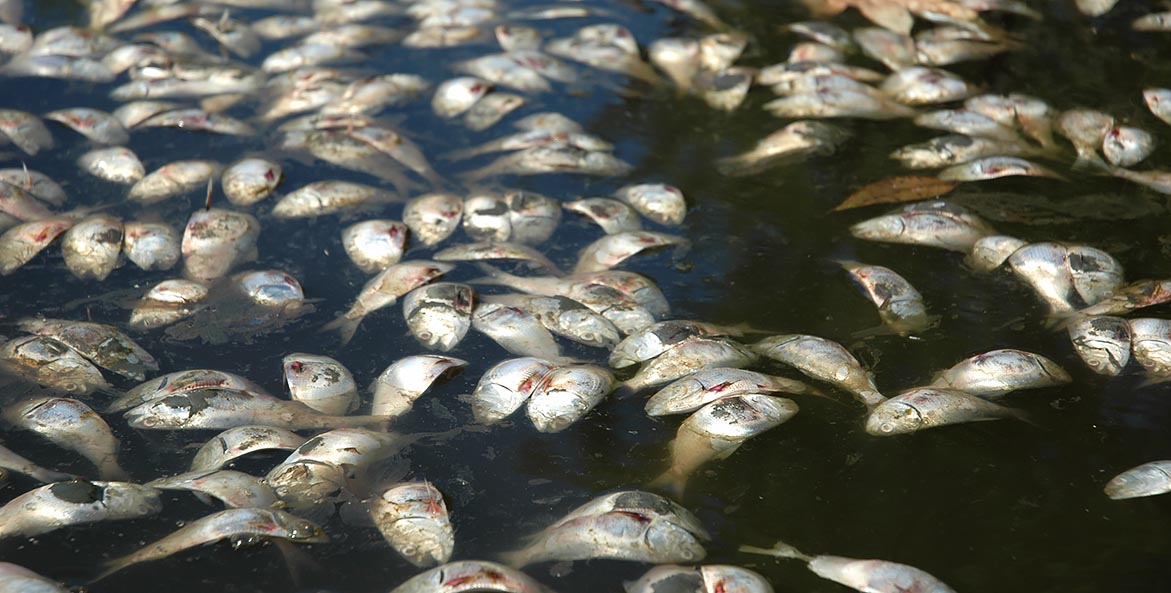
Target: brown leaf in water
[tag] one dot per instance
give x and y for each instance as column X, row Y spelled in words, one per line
column 896, row 190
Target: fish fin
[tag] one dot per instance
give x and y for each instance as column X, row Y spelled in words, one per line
column 303, row 568
column 112, row 472
column 886, row 15
column 670, row 482
column 343, row 325
column 515, row 558
column 110, row 567
column 878, row 330
column 779, row 550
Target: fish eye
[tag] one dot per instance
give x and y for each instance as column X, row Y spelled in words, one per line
column 887, row 427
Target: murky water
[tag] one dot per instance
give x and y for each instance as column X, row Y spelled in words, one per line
column 1004, row 506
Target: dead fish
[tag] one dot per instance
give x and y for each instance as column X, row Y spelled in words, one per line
column 97, row 125
column 824, row 32
column 41, row 186
column 792, row 143
column 656, row 339
column 250, row 522
column 995, row 167
column 1158, row 101
column 12, row 462
column 895, row 50
column 1125, row 146
column 1149, row 479
column 900, row 306
column 439, row 314
column 1103, row 343
column 1159, row 181
column 24, row 129
column 18, row 204
column 236, row 442
column 250, row 180
column 173, row 179
column 717, row 430
column 117, row 164
column 811, row 51
column 151, row 245
column 1150, row 344
column 182, row 382
column 678, row 58
column 237, row 490
column 688, row 356
column 305, row 55
column 1096, row 274
column 167, row 302
column 659, row 202
column 834, row 103
column 46, row 361
column 823, row 360
column 233, row 35
column 1086, row 129
column 102, row 344
column 497, row 250
column 566, row 394
column 540, row 160
column 71, row 425
column 221, row 408
column 955, row 149
column 612, row 215
column 565, row 317
column 920, row 85
column 413, row 518
column 469, row 575
column 534, row 138
column 516, row 330
column 321, row 382
column 384, row 289
column 433, row 217
column 868, row 576
column 787, row 72
column 406, row 380
column 968, row 123
column 1045, row 267
column 65, row 504
column 1137, row 295
column 505, row 387
column 936, row 224
column 456, row 96
column 321, row 198
column 374, row 245
column 990, row 252
column 997, row 372
column 611, row 250
column 1095, row 7
column 215, row 241
column 489, row 110
column 18, row 578
column 21, row 243
column 583, row 288
column 929, row 407
column 91, row 247
column 605, row 46
column 703, row 387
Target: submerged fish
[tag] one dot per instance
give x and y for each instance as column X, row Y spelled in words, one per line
column 929, row 407
column 867, row 576
column 1149, row 479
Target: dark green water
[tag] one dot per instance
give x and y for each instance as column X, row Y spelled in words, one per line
column 998, row 507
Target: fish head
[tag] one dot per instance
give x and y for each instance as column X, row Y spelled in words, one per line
column 300, row 530
column 672, row 543
column 168, row 412
column 882, row 228
column 1103, row 343
column 893, row 417
column 431, row 542
column 1145, row 480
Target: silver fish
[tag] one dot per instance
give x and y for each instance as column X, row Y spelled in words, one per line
column 440, row 314
column 406, row 380
column 706, row 386
column 1150, row 344
column 384, row 289
column 1103, row 343
column 151, row 245
column 97, row 125
column 1125, row 146
column 173, row 179
column 167, row 302
column 48, row 362
column 413, row 517
column 1045, row 267
column 900, row 306
column 221, row 408
column 492, row 250
column 12, row 462
column 117, row 164
column 954, row 149
column 24, row 129
column 659, row 202
column 823, row 360
column 21, row 243
column 250, row 180
column 330, row 197
column 995, row 167
column 1149, row 479
column 678, row 58
column 1136, row 295
column 565, row 317
column 236, row 442
column 65, row 504
column 505, row 387
column 456, row 96
column 566, row 394
column 868, row 576
column 91, row 247
column 990, row 252
column 321, row 382
column 936, row 224
column 649, row 342
column 834, row 103
column 613, row 216
column 471, row 575
column 792, row 143
column 215, row 241
column 929, row 407
column 19, row 579
column 72, row 425
column 1158, row 101
column 895, row 50
column 374, row 245
column 181, row 382
column 611, row 250
column 235, row 489
column 968, row 123
column 489, row 110
column 540, row 160
column 1085, row 129
column 997, row 372
column 926, row 86
column 433, row 217
column 688, row 356
column 102, row 344
column 41, row 186
column 516, row 330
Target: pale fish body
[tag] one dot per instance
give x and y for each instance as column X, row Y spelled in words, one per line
column 1155, row 21
column 650, row 505
column 900, row 306
column 1149, row 479
column 1085, row 129
column 786, row 72
column 321, row 382
column 237, row 490
column 1096, row 274
column 1159, row 102
column 502, row 69
column 606, row 47
column 465, row 576
column 41, row 186
column 91, row 247
column 611, row 250
column 306, row 55
column 442, row 36
column 215, row 241
column 102, row 344
column 250, row 180
column 236, row 442
column 221, row 408
column 791, row 143
column 1045, row 267
column 167, row 302
column 659, row 202
column 488, row 111
column 677, row 57
column 823, row 360
column 18, row 579
column 895, row 50
column 867, row 576
column 439, row 314
column 1150, row 343
column 1136, row 295
column 968, row 123
column 723, row 89
column 199, row 120
column 274, row 289
column 48, row 362
column 151, row 245
column 497, row 250
column 532, row 217
column 173, row 179
column 566, row 394
column 403, row 382
column 117, row 164
column 827, row 33
column 413, row 518
column 708, row 578
column 374, row 245
column 703, row 387
column 97, row 125
column 353, row 448
column 812, row 51
column 21, row 243
column 181, row 382
column 995, row 167
column 486, row 218
column 373, row 94
column 568, row 139
column 990, row 252
column 1125, row 146
column 457, row 95
column 71, row 425
column 833, row 103
column 926, row 86
column 64, row 504
column 936, row 224
column 928, row 407
column 565, row 317
column 717, row 430
column 233, row 35
column 505, row 387
column 24, row 129
column 248, row 522
column 330, row 197
column 997, row 372
column 1159, row 181
column 10, row 461
column 689, row 356
column 16, row 203
column 433, row 217
column 385, row 289
column 322, row 471
column 1103, row 343
column 955, row 149
column 613, row 216
column 653, row 340
column 516, row 330
column 559, row 158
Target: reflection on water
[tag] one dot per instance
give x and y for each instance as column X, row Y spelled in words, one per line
column 986, row 507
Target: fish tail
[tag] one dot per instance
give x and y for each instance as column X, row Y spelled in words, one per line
column 111, row 471
column 515, row 558
column 778, row 550
column 112, row 566
column 49, row 476
column 1089, row 161
column 344, row 326
column 671, row 483
column 738, row 166
column 495, row 276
